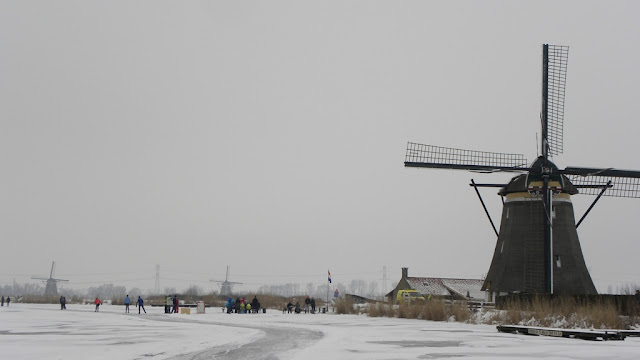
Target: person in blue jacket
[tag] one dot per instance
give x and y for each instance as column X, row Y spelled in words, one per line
column 141, row 305
column 229, row 305
column 127, row 302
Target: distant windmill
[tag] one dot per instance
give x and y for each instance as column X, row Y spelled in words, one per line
column 226, row 285
column 51, row 283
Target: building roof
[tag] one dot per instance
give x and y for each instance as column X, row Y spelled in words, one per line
column 447, row 287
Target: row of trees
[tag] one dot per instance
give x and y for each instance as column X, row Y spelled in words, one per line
column 112, row 291
column 21, row 289
column 356, row 287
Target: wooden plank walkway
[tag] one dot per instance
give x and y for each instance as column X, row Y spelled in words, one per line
column 569, row 333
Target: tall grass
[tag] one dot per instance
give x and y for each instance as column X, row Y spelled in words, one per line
column 565, row 312
column 436, row 310
column 559, row 313
column 346, row 305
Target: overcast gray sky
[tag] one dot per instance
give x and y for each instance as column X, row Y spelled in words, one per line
column 270, row 136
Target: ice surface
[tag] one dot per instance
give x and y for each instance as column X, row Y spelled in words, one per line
column 30, row 331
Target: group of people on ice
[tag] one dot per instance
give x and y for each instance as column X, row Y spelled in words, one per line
column 127, row 302
column 171, row 304
column 8, row 300
column 241, row 306
column 309, row 306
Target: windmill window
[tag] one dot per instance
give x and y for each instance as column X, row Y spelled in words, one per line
column 558, row 262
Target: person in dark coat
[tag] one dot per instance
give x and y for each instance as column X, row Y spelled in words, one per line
column 3, row 300
column 313, row 305
column 176, row 303
column 140, row 305
column 237, row 305
column 63, row 302
column 255, row 304
column 8, row 300
column 289, row 307
column 307, row 304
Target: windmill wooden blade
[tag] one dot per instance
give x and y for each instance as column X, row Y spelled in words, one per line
column 590, row 181
column 554, row 83
column 606, row 172
column 438, row 157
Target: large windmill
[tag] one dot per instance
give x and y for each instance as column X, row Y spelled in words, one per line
column 226, row 286
column 51, row 287
column 537, row 250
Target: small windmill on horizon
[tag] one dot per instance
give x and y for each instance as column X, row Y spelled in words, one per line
column 51, row 283
column 226, row 286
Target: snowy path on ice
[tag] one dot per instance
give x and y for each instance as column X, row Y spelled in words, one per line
column 272, row 341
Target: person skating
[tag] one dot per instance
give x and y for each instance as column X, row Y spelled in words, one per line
column 63, row 302
column 8, row 300
column 127, row 302
column 98, row 303
column 2, row 300
column 313, row 305
column 140, row 305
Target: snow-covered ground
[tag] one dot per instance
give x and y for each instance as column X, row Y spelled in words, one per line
column 30, row 331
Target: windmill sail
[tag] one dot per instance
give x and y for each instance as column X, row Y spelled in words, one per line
column 556, row 79
column 429, row 156
column 590, row 181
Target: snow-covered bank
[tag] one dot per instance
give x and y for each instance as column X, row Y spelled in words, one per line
column 45, row 332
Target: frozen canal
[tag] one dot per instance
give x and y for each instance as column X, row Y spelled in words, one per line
column 29, row 331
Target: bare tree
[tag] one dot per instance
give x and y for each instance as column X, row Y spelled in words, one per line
column 373, row 289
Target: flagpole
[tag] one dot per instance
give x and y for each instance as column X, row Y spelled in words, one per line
column 328, row 282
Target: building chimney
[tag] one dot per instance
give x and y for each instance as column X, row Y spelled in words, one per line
column 405, row 273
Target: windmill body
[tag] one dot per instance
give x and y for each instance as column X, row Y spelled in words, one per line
column 518, row 261
column 537, row 250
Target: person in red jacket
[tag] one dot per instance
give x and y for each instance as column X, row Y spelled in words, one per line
column 98, row 303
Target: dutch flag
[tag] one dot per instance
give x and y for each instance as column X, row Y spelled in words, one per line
column 329, row 276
